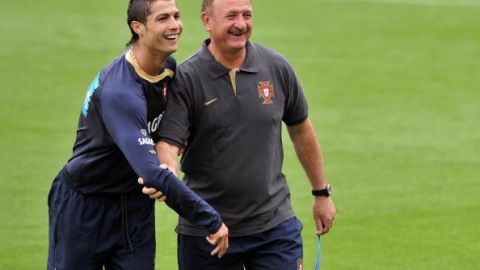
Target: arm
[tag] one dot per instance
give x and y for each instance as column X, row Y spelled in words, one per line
column 309, row 154
column 178, row 196
column 167, row 155
column 124, row 114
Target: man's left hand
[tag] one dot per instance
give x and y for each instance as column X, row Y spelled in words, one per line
column 323, row 213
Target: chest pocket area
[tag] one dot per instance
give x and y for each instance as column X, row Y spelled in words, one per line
column 221, row 113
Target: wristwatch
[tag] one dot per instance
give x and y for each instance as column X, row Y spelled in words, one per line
column 326, row 192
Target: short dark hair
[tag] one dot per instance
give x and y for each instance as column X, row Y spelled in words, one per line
column 206, row 4
column 138, row 10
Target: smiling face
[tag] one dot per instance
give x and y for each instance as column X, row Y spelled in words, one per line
column 162, row 28
column 229, row 23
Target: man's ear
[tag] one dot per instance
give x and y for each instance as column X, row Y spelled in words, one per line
column 206, row 20
column 137, row 27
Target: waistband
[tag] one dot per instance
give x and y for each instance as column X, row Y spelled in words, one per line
column 64, row 176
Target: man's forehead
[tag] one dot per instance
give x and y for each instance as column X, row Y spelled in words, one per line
column 163, row 6
column 232, row 5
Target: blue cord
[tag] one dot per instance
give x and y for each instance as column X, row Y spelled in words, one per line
column 317, row 263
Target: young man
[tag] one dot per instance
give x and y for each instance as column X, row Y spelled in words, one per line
column 99, row 218
column 226, row 109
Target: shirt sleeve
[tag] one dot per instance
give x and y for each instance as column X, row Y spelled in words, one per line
column 124, row 114
column 176, row 122
column 296, row 108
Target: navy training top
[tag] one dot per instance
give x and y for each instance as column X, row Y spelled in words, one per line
column 122, row 109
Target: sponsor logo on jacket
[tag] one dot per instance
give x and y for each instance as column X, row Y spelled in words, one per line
column 152, row 126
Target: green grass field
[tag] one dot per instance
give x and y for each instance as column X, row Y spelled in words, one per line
column 394, row 93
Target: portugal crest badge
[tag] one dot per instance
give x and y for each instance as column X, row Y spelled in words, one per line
column 265, row 91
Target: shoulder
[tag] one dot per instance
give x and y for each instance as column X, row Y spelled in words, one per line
column 271, row 59
column 191, row 63
column 117, row 82
column 263, row 51
column 118, row 75
column 171, row 63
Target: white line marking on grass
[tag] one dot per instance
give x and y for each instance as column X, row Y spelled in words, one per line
column 464, row 3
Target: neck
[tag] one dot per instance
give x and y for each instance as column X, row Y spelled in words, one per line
column 231, row 59
column 150, row 62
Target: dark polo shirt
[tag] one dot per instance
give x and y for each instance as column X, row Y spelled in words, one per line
column 230, row 122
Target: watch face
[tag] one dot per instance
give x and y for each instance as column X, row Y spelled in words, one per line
column 329, row 189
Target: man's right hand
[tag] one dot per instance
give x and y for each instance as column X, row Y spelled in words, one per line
column 152, row 192
column 220, row 240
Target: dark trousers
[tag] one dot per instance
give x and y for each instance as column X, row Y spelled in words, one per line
column 95, row 232
column 279, row 248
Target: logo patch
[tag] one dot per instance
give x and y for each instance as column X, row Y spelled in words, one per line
column 207, row 103
column 265, row 91
column 144, row 141
column 152, row 126
column 300, row 264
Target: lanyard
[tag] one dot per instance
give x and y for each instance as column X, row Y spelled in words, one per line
column 317, row 263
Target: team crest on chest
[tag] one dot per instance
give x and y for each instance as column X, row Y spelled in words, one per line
column 265, row 91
